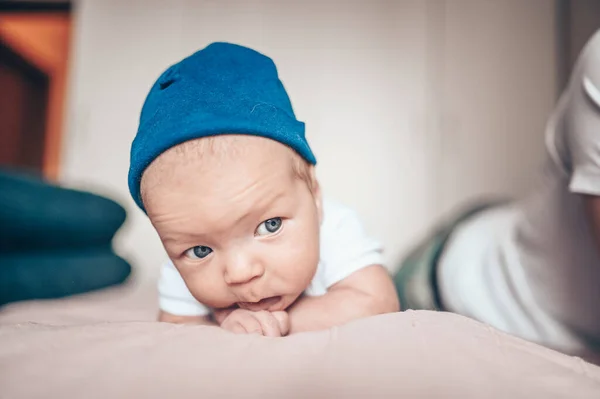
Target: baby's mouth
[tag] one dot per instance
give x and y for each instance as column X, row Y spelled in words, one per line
column 264, row 304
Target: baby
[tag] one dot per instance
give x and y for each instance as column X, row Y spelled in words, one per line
column 223, row 170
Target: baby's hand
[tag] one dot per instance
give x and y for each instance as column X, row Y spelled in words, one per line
column 269, row 324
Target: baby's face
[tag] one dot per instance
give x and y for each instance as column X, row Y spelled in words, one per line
column 241, row 227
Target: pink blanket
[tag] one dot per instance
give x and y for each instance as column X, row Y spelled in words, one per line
column 106, row 345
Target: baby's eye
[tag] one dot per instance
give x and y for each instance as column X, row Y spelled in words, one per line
column 268, row 227
column 198, row 252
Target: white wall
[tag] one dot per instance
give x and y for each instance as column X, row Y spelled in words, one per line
column 499, row 79
column 384, row 87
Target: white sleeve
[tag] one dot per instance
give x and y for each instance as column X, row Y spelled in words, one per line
column 345, row 247
column 582, row 122
column 173, row 295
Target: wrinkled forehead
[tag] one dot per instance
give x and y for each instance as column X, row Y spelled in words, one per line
column 227, row 147
column 206, row 161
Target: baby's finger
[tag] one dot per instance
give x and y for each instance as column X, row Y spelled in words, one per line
column 251, row 324
column 222, row 314
column 233, row 324
column 241, row 322
column 268, row 323
column 235, row 327
column 283, row 319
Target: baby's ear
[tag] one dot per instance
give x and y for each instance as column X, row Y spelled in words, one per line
column 316, row 191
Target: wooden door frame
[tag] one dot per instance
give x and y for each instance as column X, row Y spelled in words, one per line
column 40, row 32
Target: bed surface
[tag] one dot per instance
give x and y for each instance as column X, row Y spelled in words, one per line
column 107, row 345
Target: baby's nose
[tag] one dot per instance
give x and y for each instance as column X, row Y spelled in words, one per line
column 241, row 269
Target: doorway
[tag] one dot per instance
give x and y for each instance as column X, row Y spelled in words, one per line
column 34, row 50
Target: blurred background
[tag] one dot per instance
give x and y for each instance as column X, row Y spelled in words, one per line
column 412, row 106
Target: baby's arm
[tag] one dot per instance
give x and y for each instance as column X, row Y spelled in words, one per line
column 366, row 292
column 238, row 321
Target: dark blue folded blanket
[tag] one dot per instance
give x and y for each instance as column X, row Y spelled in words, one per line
column 55, row 242
column 58, row 274
column 35, row 215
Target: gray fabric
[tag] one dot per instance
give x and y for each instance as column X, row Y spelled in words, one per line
column 416, row 279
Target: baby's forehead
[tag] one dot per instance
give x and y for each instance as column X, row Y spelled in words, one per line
column 210, row 153
column 223, row 148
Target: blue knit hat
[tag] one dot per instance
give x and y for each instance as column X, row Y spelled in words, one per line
column 221, row 89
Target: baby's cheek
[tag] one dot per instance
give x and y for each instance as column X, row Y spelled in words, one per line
column 209, row 290
column 298, row 262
